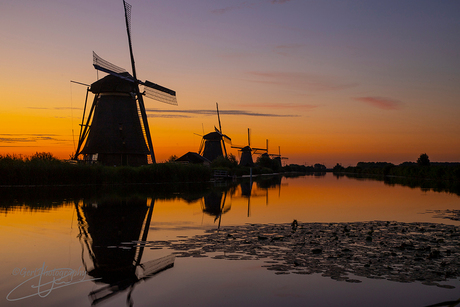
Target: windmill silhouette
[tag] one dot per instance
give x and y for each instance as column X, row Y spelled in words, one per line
column 278, row 156
column 117, row 130
column 247, row 152
column 213, row 144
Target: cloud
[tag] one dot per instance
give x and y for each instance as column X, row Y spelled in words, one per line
column 300, row 80
column 279, row 106
column 26, row 138
column 279, row 1
column 245, row 5
column 381, row 102
column 191, row 113
column 233, row 7
column 55, row 108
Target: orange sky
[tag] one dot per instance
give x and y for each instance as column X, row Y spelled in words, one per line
column 328, row 83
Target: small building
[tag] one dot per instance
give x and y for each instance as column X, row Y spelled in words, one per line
column 194, row 158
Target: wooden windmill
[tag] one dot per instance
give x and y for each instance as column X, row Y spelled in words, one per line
column 247, row 152
column 116, row 131
column 213, row 144
column 278, row 156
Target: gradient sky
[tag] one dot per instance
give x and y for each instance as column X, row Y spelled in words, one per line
column 327, row 81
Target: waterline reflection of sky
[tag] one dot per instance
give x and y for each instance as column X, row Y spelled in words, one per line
column 31, row 237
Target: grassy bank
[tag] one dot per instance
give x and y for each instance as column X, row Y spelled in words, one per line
column 44, row 169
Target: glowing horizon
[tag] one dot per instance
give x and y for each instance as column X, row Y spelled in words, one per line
column 333, row 82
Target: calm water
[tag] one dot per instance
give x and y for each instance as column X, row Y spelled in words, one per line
column 136, row 246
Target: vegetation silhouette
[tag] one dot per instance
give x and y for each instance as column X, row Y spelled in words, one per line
column 435, row 176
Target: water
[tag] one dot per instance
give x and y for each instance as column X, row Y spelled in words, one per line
column 357, row 243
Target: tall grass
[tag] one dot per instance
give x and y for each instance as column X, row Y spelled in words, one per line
column 44, row 169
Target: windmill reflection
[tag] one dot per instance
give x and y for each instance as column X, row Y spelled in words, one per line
column 214, row 205
column 114, row 232
column 246, row 191
column 262, row 184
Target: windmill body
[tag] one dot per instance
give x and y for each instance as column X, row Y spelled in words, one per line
column 247, row 152
column 278, row 157
column 246, row 156
column 213, row 143
column 212, row 146
column 116, row 136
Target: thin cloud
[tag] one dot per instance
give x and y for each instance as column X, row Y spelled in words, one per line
column 300, row 80
column 381, row 102
column 279, row 1
column 280, row 106
column 25, row 138
column 246, row 5
column 55, row 108
column 227, row 9
column 192, row 113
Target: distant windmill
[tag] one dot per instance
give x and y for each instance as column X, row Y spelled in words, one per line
column 278, row 156
column 247, row 152
column 213, row 143
column 116, row 130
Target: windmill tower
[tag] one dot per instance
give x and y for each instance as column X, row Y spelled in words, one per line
column 247, row 152
column 213, row 143
column 116, row 130
column 278, row 156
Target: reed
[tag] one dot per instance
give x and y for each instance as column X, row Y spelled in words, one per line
column 44, row 169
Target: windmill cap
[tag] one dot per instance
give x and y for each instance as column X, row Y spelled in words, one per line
column 113, row 84
column 212, row 136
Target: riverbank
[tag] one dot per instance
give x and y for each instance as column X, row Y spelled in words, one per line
column 46, row 170
column 43, row 169
column 433, row 171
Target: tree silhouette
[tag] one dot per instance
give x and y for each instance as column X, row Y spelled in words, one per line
column 423, row 160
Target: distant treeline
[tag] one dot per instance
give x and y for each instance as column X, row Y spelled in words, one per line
column 422, row 169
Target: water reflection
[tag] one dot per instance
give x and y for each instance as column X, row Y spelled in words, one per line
column 112, row 231
column 122, row 228
column 215, row 205
column 424, row 184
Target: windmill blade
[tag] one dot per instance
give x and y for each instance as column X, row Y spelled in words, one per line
column 249, row 137
column 227, row 139
column 224, row 137
column 107, row 67
column 159, row 93
column 200, row 151
column 218, row 117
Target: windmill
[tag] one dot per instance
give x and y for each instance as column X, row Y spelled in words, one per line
column 278, row 156
column 116, row 130
column 213, row 143
column 247, row 152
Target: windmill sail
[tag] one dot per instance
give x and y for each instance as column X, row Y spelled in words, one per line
column 107, row 67
column 159, row 93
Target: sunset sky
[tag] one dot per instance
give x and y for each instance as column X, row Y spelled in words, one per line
column 327, row 81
